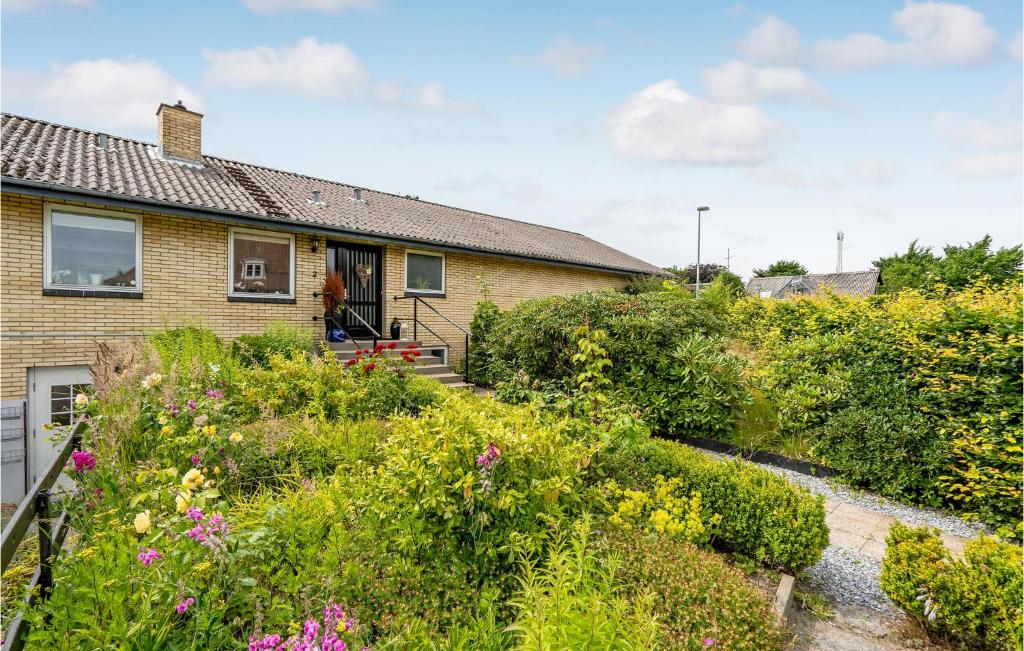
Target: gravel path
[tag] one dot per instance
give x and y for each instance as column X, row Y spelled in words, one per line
column 850, row 567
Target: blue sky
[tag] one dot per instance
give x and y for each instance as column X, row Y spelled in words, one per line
column 891, row 121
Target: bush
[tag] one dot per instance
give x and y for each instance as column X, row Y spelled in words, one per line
column 696, row 595
column 976, row 600
column 277, row 339
column 762, row 515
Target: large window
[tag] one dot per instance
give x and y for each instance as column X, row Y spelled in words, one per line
column 262, row 264
column 93, row 250
column 424, row 272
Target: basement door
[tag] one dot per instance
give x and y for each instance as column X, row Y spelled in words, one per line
column 360, row 266
column 51, row 399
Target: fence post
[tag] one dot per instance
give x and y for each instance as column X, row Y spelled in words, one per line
column 45, row 543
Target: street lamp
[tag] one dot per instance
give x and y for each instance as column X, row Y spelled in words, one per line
column 699, row 211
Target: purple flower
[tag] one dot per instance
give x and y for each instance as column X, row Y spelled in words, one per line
column 196, row 460
column 183, row 605
column 191, row 404
column 708, row 641
column 173, row 408
column 195, row 514
column 492, row 451
column 83, row 460
column 215, row 394
column 310, row 630
column 147, row 556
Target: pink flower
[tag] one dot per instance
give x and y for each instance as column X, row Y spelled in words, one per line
column 195, row 514
column 708, row 641
column 83, row 460
column 215, row 394
column 184, row 605
column 310, row 630
column 191, row 404
column 147, row 556
column 196, row 460
column 173, row 408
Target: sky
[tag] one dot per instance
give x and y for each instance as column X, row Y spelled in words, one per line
column 888, row 120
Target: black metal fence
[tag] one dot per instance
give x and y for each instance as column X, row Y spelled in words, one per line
column 36, row 508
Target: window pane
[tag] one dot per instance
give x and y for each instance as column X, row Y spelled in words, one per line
column 423, row 272
column 268, row 261
column 92, row 251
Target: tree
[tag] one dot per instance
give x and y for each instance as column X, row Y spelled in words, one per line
column 919, row 268
column 688, row 275
column 781, row 268
column 732, row 282
column 914, row 268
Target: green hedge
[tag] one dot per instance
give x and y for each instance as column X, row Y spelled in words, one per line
column 976, row 600
column 763, row 515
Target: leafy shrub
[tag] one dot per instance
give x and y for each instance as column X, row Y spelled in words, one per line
column 697, row 597
column 277, row 339
column 571, row 602
column 482, row 480
column 762, row 515
column 665, row 510
column 976, row 600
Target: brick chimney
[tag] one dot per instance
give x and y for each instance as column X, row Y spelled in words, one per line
column 179, row 132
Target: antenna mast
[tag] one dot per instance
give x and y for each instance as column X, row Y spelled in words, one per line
column 839, row 252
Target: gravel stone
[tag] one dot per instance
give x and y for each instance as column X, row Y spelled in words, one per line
column 849, row 578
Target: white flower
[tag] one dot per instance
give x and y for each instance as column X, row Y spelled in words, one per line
column 152, row 380
column 81, row 400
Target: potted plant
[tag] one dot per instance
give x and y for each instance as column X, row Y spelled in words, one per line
column 332, row 295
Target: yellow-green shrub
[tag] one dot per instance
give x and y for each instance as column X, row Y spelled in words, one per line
column 976, row 600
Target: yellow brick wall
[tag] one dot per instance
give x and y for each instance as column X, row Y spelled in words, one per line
column 510, row 282
column 184, row 281
column 184, row 267
column 180, row 132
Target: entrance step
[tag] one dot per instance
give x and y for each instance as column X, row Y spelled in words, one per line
column 430, row 362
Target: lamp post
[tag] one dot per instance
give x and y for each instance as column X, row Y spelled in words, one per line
column 699, row 211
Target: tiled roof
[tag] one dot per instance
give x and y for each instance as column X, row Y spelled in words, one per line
column 69, row 158
column 856, row 283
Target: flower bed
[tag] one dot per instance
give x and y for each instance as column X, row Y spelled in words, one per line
column 304, row 503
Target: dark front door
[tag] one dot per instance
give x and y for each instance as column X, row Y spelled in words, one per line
column 360, row 266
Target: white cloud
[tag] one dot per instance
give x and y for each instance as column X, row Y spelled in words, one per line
column 566, row 58
column 999, row 164
column 876, row 171
column 322, row 6
column 772, row 41
column 741, row 82
column 854, row 52
column 1016, row 46
column 936, row 33
column 974, row 133
column 31, row 5
column 519, row 191
column 104, row 93
column 310, row 67
column 664, row 122
column 430, row 96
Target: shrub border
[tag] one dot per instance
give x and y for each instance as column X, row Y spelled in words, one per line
column 758, row 456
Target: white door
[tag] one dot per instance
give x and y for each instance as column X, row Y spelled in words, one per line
column 51, row 396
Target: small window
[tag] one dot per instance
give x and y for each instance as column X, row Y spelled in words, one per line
column 262, row 264
column 424, row 272
column 62, row 401
column 93, row 250
column 766, row 293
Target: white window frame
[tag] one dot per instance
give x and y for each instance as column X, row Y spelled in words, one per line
column 255, row 263
column 50, row 208
column 267, row 236
column 434, row 254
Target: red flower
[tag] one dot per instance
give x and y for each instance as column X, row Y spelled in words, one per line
column 392, row 346
column 410, row 346
column 415, row 353
column 351, row 362
column 378, row 348
column 407, row 357
column 369, row 367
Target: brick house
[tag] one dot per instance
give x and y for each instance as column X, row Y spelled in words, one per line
column 104, row 238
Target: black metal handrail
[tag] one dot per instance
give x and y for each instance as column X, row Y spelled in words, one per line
column 36, row 505
column 376, row 335
column 416, row 300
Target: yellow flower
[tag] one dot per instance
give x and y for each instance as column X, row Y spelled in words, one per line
column 216, row 470
column 162, row 420
column 142, row 522
column 182, row 501
column 192, row 479
column 152, row 380
column 235, row 437
column 81, row 400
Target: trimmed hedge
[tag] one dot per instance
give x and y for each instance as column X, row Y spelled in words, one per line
column 976, row 600
column 763, row 515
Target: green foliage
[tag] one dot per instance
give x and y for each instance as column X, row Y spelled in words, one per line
column 696, row 596
column 762, row 515
column 644, row 284
column 975, row 600
column 485, row 316
column 570, row 602
column 190, row 351
column 277, row 339
column 781, row 268
column 958, row 267
column 708, row 272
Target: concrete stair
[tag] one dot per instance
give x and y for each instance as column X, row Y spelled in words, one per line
column 430, row 362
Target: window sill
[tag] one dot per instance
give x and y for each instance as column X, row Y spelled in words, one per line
column 280, row 300
column 90, row 293
column 411, row 292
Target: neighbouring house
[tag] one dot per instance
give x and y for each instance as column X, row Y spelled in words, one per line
column 853, row 283
column 105, row 238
